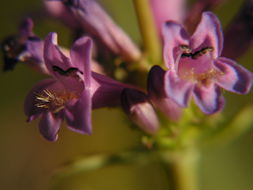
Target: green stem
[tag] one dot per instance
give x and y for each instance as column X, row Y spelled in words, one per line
column 151, row 41
column 182, row 169
column 94, row 162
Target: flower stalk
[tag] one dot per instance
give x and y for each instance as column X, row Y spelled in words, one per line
column 151, row 41
column 182, row 169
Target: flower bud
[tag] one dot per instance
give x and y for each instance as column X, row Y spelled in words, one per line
column 138, row 108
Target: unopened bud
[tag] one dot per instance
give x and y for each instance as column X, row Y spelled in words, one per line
column 138, row 108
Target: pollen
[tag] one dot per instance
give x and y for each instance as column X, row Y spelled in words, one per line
column 54, row 101
column 207, row 77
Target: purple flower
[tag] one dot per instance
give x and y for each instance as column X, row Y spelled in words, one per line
column 164, row 10
column 98, row 24
column 57, row 10
column 196, row 68
column 25, row 47
column 72, row 92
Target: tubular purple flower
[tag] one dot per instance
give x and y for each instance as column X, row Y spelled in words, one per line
column 164, row 10
column 72, row 92
column 59, row 11
column 158, row 96
column 196, row 68
column 242, row 24
column 97, row 23
column 138, row 108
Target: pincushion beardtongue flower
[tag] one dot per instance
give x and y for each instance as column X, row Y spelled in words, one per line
column 73, row 91
column 62, row 97
column 196, row 68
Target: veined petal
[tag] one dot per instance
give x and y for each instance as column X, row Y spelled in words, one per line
column 80, row 55
column 235, row 78
column 30, row 108
column 80, row 118
column 208, row 98
column 208, row 34
column 49, row 126
column 174, row 36
column 177, row 89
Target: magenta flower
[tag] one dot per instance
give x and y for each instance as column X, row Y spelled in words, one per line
column 196, row 68
column 72, row 92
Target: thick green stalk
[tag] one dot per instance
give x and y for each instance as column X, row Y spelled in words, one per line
column 151, row 41
column 182, row 169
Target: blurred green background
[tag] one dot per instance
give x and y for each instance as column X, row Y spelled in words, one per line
column 27, row 161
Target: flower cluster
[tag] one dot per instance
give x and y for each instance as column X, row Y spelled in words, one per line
column 77, row 84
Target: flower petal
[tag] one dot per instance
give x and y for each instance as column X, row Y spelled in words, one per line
column 105, row 91
column 49, row 126
column 164, row 10
column 80, row 118
column 177, row 89
column 53, row 55
column 156, row 82
column 80, row 55
column 235, row 78
column 59, row 65
column 174, row 36
column 30, row 108
column 34, row 52
column 208, row 98
column 157, row 94
column 208, row 34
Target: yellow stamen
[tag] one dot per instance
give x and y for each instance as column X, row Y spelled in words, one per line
column 54, row 101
